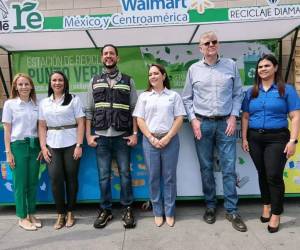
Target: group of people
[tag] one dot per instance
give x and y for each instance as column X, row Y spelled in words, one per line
column 212, row 99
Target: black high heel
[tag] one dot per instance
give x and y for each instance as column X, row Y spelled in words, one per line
column 273, row 229
column 264, row 219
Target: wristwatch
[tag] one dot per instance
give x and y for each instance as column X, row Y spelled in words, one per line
column 78, row 145
column 295, row 141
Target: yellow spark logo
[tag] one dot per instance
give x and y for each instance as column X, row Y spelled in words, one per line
column 201, row 5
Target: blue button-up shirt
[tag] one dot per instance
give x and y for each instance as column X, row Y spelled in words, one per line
column 213, row 90
column 269, row 110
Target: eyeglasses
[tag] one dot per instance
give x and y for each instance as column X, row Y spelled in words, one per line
column 214, row 42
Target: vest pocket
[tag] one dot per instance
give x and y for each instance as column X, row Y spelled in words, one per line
column 123, row 120
column 122, row 96
column 100, row 94
column 100, row 120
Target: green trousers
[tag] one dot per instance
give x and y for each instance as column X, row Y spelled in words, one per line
column 25, row 175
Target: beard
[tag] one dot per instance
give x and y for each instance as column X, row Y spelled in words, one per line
column 110, row 66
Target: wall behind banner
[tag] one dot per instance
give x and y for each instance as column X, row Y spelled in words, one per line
column 80, row 65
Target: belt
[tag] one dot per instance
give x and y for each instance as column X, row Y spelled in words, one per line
column 266, row 131
column 212, row 118
column 63, row 127
column 158, row 135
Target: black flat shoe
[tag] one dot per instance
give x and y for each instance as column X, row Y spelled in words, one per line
column 264, row 219
column 210, row 215
column 237, row 222
column 273, row 229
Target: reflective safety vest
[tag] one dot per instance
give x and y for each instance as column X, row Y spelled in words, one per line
column 112, row 105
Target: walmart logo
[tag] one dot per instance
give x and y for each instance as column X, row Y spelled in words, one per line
column 200, row 5
column 272, row 2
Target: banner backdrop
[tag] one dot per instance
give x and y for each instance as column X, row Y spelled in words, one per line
column 80, row 65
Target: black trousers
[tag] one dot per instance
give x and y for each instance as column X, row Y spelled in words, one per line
column 266, row 151
column 63, row 172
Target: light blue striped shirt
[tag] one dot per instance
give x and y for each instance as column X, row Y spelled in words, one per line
column 213, row 90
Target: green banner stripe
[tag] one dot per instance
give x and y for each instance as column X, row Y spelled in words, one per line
column 210, row 15
column 100, row 15
column 56, row 23
column 53, row 23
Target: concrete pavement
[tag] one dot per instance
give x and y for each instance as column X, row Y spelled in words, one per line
column 190, row 231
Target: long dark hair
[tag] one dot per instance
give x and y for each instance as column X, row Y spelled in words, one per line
column 68, row 96
column 166, row 82
column 277, row 79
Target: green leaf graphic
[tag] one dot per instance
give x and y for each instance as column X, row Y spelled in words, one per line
column 139, row 157
column 117, row 187
column 162, row 62
column 189, row 63
column 241, row 161
column 167, row 50
column 28, row 6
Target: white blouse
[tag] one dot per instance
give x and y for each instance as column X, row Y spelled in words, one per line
column 57, row 115
column 22, row 116
column 159, row 109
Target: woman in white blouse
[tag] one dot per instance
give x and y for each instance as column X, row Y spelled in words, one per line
column 159, row 113
column 61, row 129
column 20, row 116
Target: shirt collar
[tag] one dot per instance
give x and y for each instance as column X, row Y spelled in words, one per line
column 165, row 91
column 19, row 101
column 273, row 86
column 203, row 61
column 51, row 97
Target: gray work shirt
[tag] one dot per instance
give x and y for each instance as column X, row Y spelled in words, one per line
column 159, row 109
column 90, row 107
column 213, row 90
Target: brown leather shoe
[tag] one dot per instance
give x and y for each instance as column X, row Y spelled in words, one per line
column 170, row 221
column 159, row 220
column 70, row 220
column 60, row 222
column 27, row 225
column 35, row 221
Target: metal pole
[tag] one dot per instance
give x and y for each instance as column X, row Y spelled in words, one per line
column 10, row 67
column 3, row 83
column 291, row 55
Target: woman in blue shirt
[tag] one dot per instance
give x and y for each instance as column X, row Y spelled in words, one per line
column 265, row 134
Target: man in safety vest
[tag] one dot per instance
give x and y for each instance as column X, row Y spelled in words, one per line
column 111, row 100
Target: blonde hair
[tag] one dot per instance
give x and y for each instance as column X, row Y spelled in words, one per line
column 14, row 92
